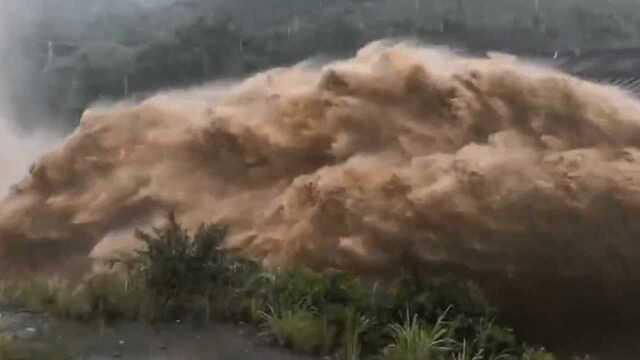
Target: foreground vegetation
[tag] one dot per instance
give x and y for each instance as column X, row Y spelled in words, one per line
column 15, row 349
column 179, row 276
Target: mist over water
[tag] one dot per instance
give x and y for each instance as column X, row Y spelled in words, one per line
column 19, row 150
column 521, row 177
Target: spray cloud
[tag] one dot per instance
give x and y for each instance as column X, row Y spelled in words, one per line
column 18, row 148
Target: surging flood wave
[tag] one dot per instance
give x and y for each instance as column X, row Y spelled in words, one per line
column 401, row 155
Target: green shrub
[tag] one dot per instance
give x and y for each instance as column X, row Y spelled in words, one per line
column 467, row 353
column 492, row 341
column 105, row 296
column 8, row 349
column 297, row 327
column 413, row 340
column 430, row 296
column 355, row 325
column 178, row 269
column 73, row 304
column 12, row 349
column 113, row 297
column 37, row 295
column 537, row 354
column 8, row 294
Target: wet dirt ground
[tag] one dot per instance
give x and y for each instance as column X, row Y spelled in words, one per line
column 182, row 341
column 176, row 341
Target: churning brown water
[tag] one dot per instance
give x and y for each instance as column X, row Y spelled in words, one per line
column 522, row 177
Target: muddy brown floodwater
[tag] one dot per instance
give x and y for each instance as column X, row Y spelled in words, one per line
column 522, row 178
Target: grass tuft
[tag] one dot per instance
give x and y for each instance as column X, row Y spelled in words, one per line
column 298, row 328
column 414, row 340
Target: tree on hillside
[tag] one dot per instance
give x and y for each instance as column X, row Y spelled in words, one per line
column 600, row 27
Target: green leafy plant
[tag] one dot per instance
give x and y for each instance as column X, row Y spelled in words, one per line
column 177, row 268
column 466, row 353
column 38, row 294
column 537, row 354
column 413, row 340
column 8, row 349
column 13, row 349
column 355, row 325
column 297, row 327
